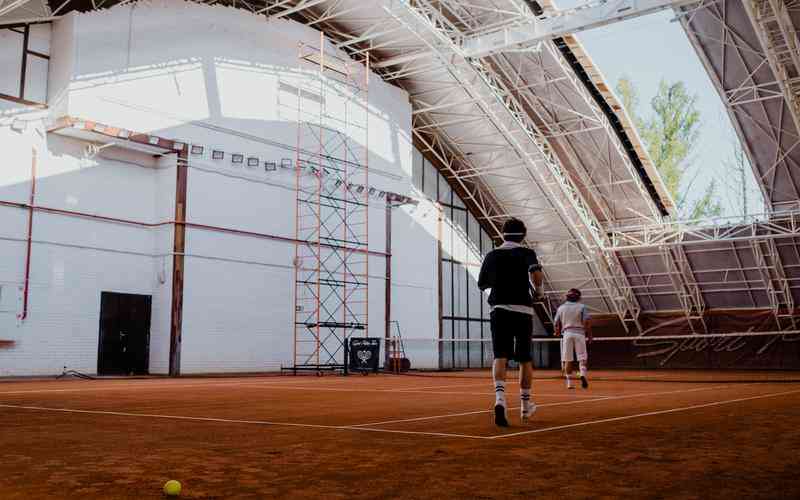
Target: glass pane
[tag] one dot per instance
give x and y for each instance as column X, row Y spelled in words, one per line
column 446, row 348
column 461, row 348
column 486, row 243
column 460, row 235
column 474, row 240
column 464, row 291
column 475, row 348
column 474, row 292
column 36, row 80
column 430, row 180
column 416, row 169
column 488, row 354
column 457, row 201
column 447, row 291
column 10, row 61
column 39, row 38
column 445, row 193
column 447, row 234
column 460, row 278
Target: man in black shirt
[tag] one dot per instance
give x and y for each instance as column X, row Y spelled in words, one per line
column 514, row 275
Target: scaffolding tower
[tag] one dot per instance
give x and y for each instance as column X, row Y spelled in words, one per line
column 332, row 207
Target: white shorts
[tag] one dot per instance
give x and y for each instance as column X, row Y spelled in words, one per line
column 573, row 342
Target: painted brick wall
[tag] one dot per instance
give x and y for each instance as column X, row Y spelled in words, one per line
column 145, row 68
column 73, row 260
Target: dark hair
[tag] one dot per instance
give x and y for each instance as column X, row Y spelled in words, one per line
column 514, row 230
column 573, row 295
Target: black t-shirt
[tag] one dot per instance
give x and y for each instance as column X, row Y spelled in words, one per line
column 506, row 270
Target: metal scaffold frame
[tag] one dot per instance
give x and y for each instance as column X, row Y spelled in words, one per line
column 515, row 126
column 331, row 293
column 778, row 37
column 753, row 227
column 738, row 256
column 509, row 107
column 681, row 275
column 746, row 49
column 777, row 286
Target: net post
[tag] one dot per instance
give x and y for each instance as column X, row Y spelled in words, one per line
column 346, row 369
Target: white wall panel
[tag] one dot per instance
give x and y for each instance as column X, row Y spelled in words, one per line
column 146, row 69
column 73, row 260
column 11, row 44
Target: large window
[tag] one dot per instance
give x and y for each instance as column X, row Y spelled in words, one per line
column 465, row 314
column 24, row 57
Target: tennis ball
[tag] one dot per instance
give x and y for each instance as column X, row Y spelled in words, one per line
column 172, row 488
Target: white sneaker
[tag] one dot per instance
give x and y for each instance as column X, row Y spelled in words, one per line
column 527, row 415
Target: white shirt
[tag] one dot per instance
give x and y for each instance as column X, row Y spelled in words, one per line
column 572, row 315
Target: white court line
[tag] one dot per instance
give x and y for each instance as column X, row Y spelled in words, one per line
column 162, row 384
column 237, row 421
column 389, row 431
column 561, row 403
column 287, row 385
column 284, row 386
column 648, row 414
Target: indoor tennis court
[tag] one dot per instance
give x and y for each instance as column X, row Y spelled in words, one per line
column 673, row 434
column 318, row 249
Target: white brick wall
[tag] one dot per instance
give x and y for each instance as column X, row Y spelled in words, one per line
column 73, row 260
column 238, row 303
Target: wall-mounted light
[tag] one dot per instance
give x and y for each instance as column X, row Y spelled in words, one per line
column 237, row 158
column 197, row 150
column 252, row 161
column 217, row 155
column 270, row 166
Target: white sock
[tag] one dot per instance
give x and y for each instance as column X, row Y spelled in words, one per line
column 500, row 392
column 525, row 398
column 583, row 369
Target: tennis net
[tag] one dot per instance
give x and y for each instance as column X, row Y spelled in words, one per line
column 760, row 355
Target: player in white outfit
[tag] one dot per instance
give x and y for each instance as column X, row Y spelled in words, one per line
column 574, row 324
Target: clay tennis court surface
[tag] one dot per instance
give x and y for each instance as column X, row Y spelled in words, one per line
column 633, row 435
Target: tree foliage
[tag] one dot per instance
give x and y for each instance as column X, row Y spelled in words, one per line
column 743, row 196
column 671, row 131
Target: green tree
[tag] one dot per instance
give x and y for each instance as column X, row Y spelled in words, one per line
column 743, row 195
column 670, row 131
column 630, row 99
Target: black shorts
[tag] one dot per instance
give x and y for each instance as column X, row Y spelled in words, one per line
column 511, row 335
